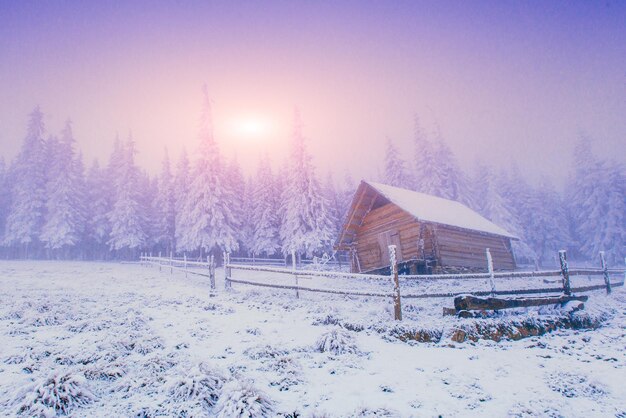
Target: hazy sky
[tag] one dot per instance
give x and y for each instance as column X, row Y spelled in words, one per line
column 504, row 80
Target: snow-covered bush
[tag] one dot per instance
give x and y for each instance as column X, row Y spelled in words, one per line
column 200, row 384
column 573, row 385
column 108, row 372
column 363, row 412
column 264, row 352
column 55, row 395
column 288, row 370
column 336, row 341
column 241, row 400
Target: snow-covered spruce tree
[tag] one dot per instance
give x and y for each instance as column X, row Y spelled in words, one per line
column 396, row 173
column 66, row 213
column 493, row 207
column 547, row 230
column 306, row 228
column 99, row 204
column 181, row 191
column 28, row 192
column 148, row 188
column 265, row 234
column 335, row 206
column 127, row 222
column 165, row 208
column 247, row 228
column 597, row 199
column 236, row 187
column 208, row 204
column 425, row 176
column 453, row 183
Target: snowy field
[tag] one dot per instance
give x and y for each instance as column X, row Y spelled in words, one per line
column 97, row 339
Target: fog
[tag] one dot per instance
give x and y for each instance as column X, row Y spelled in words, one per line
column 503, row 81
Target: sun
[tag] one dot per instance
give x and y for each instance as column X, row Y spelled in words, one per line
column 252, row 128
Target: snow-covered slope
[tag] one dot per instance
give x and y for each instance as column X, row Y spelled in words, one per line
column 126, row 340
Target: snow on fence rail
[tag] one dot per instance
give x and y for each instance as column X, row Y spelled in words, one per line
column 394, row 291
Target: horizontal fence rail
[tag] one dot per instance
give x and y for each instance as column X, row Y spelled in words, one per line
column 207, row 269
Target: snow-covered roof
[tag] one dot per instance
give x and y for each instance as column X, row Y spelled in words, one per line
column 438, row 210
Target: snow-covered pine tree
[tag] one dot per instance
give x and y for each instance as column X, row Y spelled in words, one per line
column 265, row 221
column 612, row 238
column 151, row 216
column 28, row 192
column 165, row 208
column 335, row 207
column 597, row 199
column 306, row 228
column 208, row 203
column 66, row 214
column 547, row 230
column 127, row 222
column 99, row 205
column 452, row 181
column 247, row 228
column 182, row 180
column 236, row 197
column 425, row 175
column 396, row 173
column 493, row 207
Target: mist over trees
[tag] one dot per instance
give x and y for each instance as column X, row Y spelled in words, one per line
column 51, row 207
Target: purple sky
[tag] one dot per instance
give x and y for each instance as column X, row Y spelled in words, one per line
column 505, row 80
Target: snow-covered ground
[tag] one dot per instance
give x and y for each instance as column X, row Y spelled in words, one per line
column 125, row 340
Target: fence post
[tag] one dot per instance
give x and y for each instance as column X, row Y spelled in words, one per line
column 293, row 268
column 159, row 260
column 171, row 262
column 492, row 282
column 605, row 271
column 211, row 261
column 227, row 283
column 567, row 289
column 397, row 307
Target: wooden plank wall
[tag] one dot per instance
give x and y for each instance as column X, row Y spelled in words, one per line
column 464, row 248
column 389, row 217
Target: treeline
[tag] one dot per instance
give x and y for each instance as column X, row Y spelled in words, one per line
column 590, row 216
column 52, row 207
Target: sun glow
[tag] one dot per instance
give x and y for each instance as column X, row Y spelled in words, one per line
column 251, row 128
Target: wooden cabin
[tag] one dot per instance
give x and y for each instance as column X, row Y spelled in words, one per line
column 431, row 234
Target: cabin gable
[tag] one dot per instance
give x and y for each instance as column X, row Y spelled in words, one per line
column 374, row 222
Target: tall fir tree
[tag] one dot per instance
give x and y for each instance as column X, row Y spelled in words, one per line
column 28, row 193
column 236, row 188
column 66, row 213
column 182, row 222
column 493, row 207
column 207, row 206
column 306, row 227
column 127, row 221
column 165, row 208
column 396, row 173
column 99, row 193
column 425, row 170
column 265, row 222
column 335, row 206
column 597, row 199
column 546, row 231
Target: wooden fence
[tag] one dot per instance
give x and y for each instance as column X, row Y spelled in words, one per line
column 564, row 273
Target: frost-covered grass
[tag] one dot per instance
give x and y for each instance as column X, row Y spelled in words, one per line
column 94, row 339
